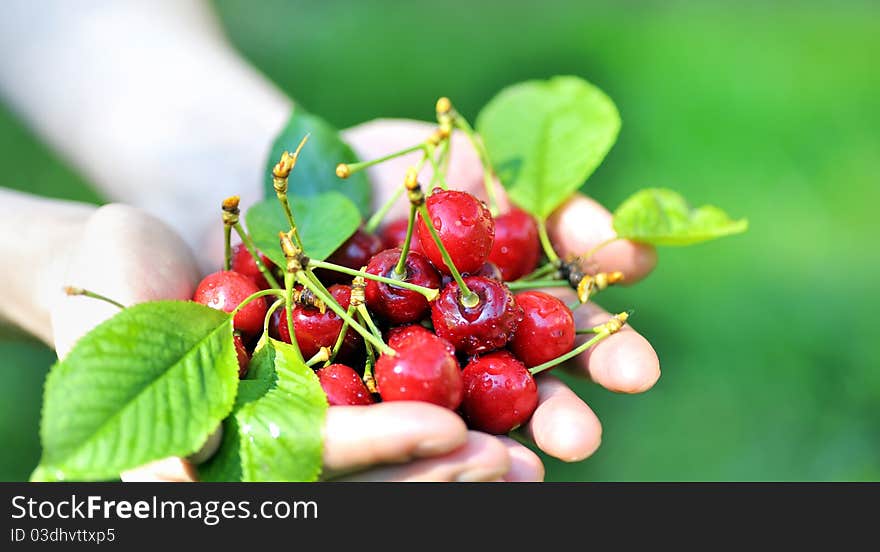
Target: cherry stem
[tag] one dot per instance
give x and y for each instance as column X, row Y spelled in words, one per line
column 540, row 272
column 341, row 337
column 353, row 168
column 519, row 285
column 368, row 379
column 602, row 331
column 400, row 267
column 257, row 295
column 429, row 293
column 322, row 355
column 462, row 124
column 574, row 305
column 380, row 215
column 368, row 320
column 597, row 247
column 588, row 331
column 227, row 247
column 468, row 298
column 73, row 291
column 439, row 176
column 288, row 313
column 340, row 312
column 545, row 242
column 252, row 249
column 269, row 312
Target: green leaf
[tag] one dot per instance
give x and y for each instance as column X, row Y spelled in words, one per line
column 662, row 217
column 315, row 171
column 324, row 222
column 545, row 138
column 153, row 381
column 277, row 436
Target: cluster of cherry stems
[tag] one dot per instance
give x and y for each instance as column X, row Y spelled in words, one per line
column 411, row 304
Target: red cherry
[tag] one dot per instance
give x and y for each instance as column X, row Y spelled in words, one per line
column 394, row 304
column 480, row 329
column 355, row 253
column 487, row 270
column 516, row 248
column 499, row 393
column 315, row 329
column 423, row 369
column 394, row 234
column 546, row 330
column 244, row 359
column 343, row 386
column 243, row 263
column 401, row 335
column 224, row 291
column 465, row 227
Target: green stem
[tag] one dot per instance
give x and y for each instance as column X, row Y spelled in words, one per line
column 439, row 176
column 540, row 272
column 468, row 298
column 252, row 249
column 400, row 267
column 536, row 284
column 357, row 167
column 597, row 247
column 574, row 305
column 340, row 312
column 429, row 293
column 588, row 331
column 380, row 215
column 227, row 247
column 288, row 313
column 341, row 337
column 545, row 242
column 320, row 356
column 461, row 123
column 257, row 295
column 269, row 312
column 282, row 198
column 368, row 320
column 71, row 290
column 569, row 355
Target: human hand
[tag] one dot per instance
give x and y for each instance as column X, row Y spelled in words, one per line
column 563, row 425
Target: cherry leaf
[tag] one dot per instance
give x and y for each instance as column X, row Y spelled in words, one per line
column 662, row 217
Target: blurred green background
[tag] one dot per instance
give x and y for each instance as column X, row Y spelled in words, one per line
column 770, row 363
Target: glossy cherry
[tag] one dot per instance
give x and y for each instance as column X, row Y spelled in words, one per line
column 244, row 359
column 343, row 386
column 516, row 248
column 465, row 227
column 224, row 291
column 394, row 234
column 546, row 330
column 244, row 264
column 315, row 329
column 423, row 369
column 475, row 330
column 397, row 305
column 499, row 393
column 354, row 253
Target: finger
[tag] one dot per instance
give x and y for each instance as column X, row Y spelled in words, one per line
column 171, row 470
column 126, row 255
column 581, row 224
column 391, row 432
column 563, row 425
column 525, row 465
column 624, row 362
column 481, row 458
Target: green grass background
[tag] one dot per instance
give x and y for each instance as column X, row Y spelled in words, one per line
column 767, row 341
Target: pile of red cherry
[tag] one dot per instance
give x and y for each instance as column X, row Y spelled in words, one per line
column 496, row 341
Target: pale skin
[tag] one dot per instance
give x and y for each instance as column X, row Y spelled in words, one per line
column 167, row 181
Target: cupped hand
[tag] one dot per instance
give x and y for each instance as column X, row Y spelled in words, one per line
column 563, row 425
